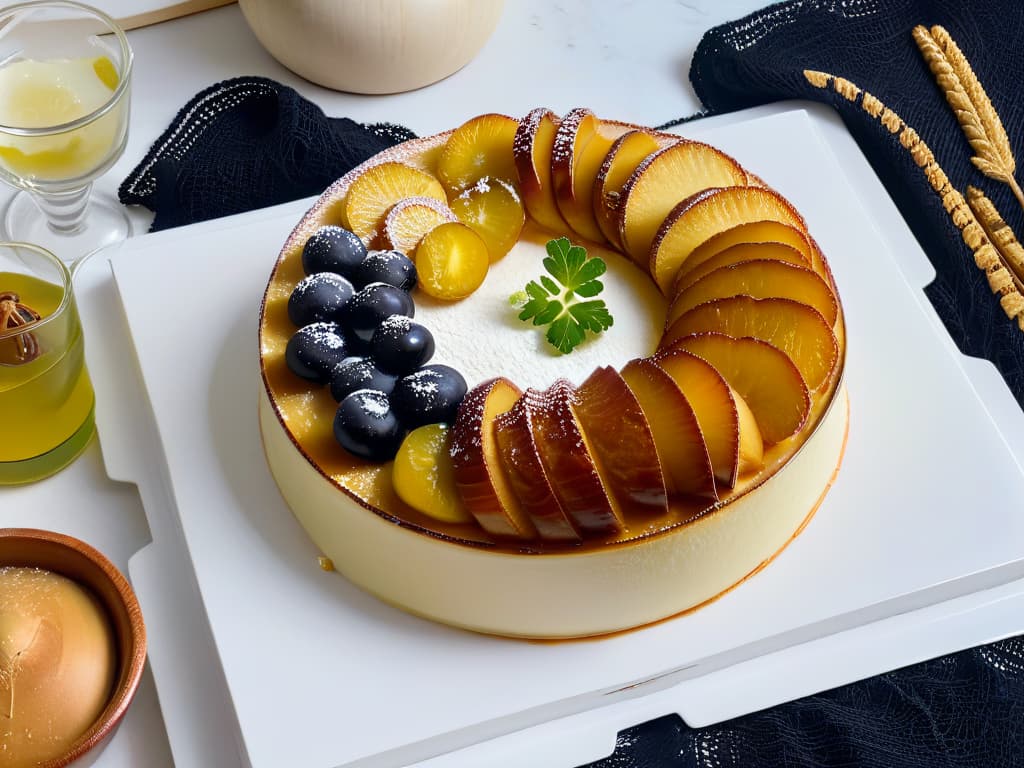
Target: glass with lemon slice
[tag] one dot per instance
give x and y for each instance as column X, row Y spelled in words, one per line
column 65, row 72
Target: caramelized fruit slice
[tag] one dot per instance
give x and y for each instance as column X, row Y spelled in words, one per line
column 734, row 255
column 581, row 144
column 628, row 151
column 568, row 463
column 713, row 405
column 746, row 234
column 707, row 213
column 477, row 467
column 660, row 182
column 514, row 431
column 621, row 444
column 493, row 210
column 797, row 329
column 410, row 219
column 531, row 153
column 424, row 478
column 451, row 261
column 762, row 279
column 681, row 447
column 479, row 147
column 763, row 375
column 378, row 188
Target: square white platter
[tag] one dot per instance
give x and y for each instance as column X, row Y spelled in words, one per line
column 320, row 675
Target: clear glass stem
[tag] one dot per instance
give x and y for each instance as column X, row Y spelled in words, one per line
column 64, row 211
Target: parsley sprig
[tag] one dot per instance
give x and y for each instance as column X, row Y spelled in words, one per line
column 563, row 299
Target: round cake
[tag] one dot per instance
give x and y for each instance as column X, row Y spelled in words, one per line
column 604, row 388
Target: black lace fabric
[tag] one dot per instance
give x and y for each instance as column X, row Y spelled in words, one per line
column 248, row 143
column 965, row 710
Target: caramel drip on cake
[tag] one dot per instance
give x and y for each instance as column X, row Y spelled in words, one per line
column 986, row 255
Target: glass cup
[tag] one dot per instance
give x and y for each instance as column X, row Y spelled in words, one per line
column 65, row 75
column 46, row 398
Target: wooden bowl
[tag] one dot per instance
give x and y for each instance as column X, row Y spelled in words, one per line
column 26, row 547
column 373, row 46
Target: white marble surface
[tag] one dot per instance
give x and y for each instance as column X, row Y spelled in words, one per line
column 624, row 59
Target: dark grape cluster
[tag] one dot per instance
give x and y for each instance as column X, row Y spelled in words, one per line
column 356, row 334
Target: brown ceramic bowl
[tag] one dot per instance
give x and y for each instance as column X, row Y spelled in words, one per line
column 78, row 561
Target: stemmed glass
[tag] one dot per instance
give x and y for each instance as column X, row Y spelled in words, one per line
column 65, row 74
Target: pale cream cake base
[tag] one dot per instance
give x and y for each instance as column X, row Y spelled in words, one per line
column 559, row 595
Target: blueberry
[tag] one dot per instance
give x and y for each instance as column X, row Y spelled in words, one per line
column 391, row 267
column 430, row 395
column 315, row 350
column 333, row 249
column 366, row 426
column 359, row 373
column 365, row 311
column 401, row 345
column 319, row 298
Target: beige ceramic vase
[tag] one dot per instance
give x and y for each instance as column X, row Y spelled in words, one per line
column 373, row 46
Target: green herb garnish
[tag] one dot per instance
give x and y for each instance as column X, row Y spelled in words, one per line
column 559, row 302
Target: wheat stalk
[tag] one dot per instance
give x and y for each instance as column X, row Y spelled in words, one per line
column 1000, row 233
column 965, row 95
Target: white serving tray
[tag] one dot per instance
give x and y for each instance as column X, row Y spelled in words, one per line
column 403, row 680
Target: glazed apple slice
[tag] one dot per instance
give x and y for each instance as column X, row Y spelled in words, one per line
column 704, row 215
column 750, row 233
column 681, row 447
column 660, row 182
column 763, row 375
column 736, row 254
column 410, row 219
column 619, row 437
column 568, row 463
column 377, row 189
column 531, row 154
column 479, row 147
column 581, row 144
column 762, row 279
column 476, row 464
column 715, row 407
column 797, row 329
column 514, row 432
column 623, row 157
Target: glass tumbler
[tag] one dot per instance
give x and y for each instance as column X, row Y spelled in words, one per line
column 46, row 398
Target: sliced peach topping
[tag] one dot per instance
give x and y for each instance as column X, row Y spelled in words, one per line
column 762, row 279
column 514, row 431
column 476, row 464
column 493, row 210
column 479, row 147
column 763, row 375
column 531, row 153
column 377, row 189
column 451, row 261
column 569, row 464
column 623, row 157
column 797, row 329
column 581, row 144
column 747, row 234
column 660, row 182
column 704, row 215
column 410, row 219
column 736, row 254
column 619, row 437
column 681, row 446
column 714, row 405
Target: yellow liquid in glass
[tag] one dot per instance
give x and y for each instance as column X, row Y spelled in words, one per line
column 41, row 94
column 42, row 402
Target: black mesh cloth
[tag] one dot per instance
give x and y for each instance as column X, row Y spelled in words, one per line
column 248, row 143
column 965, row 710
